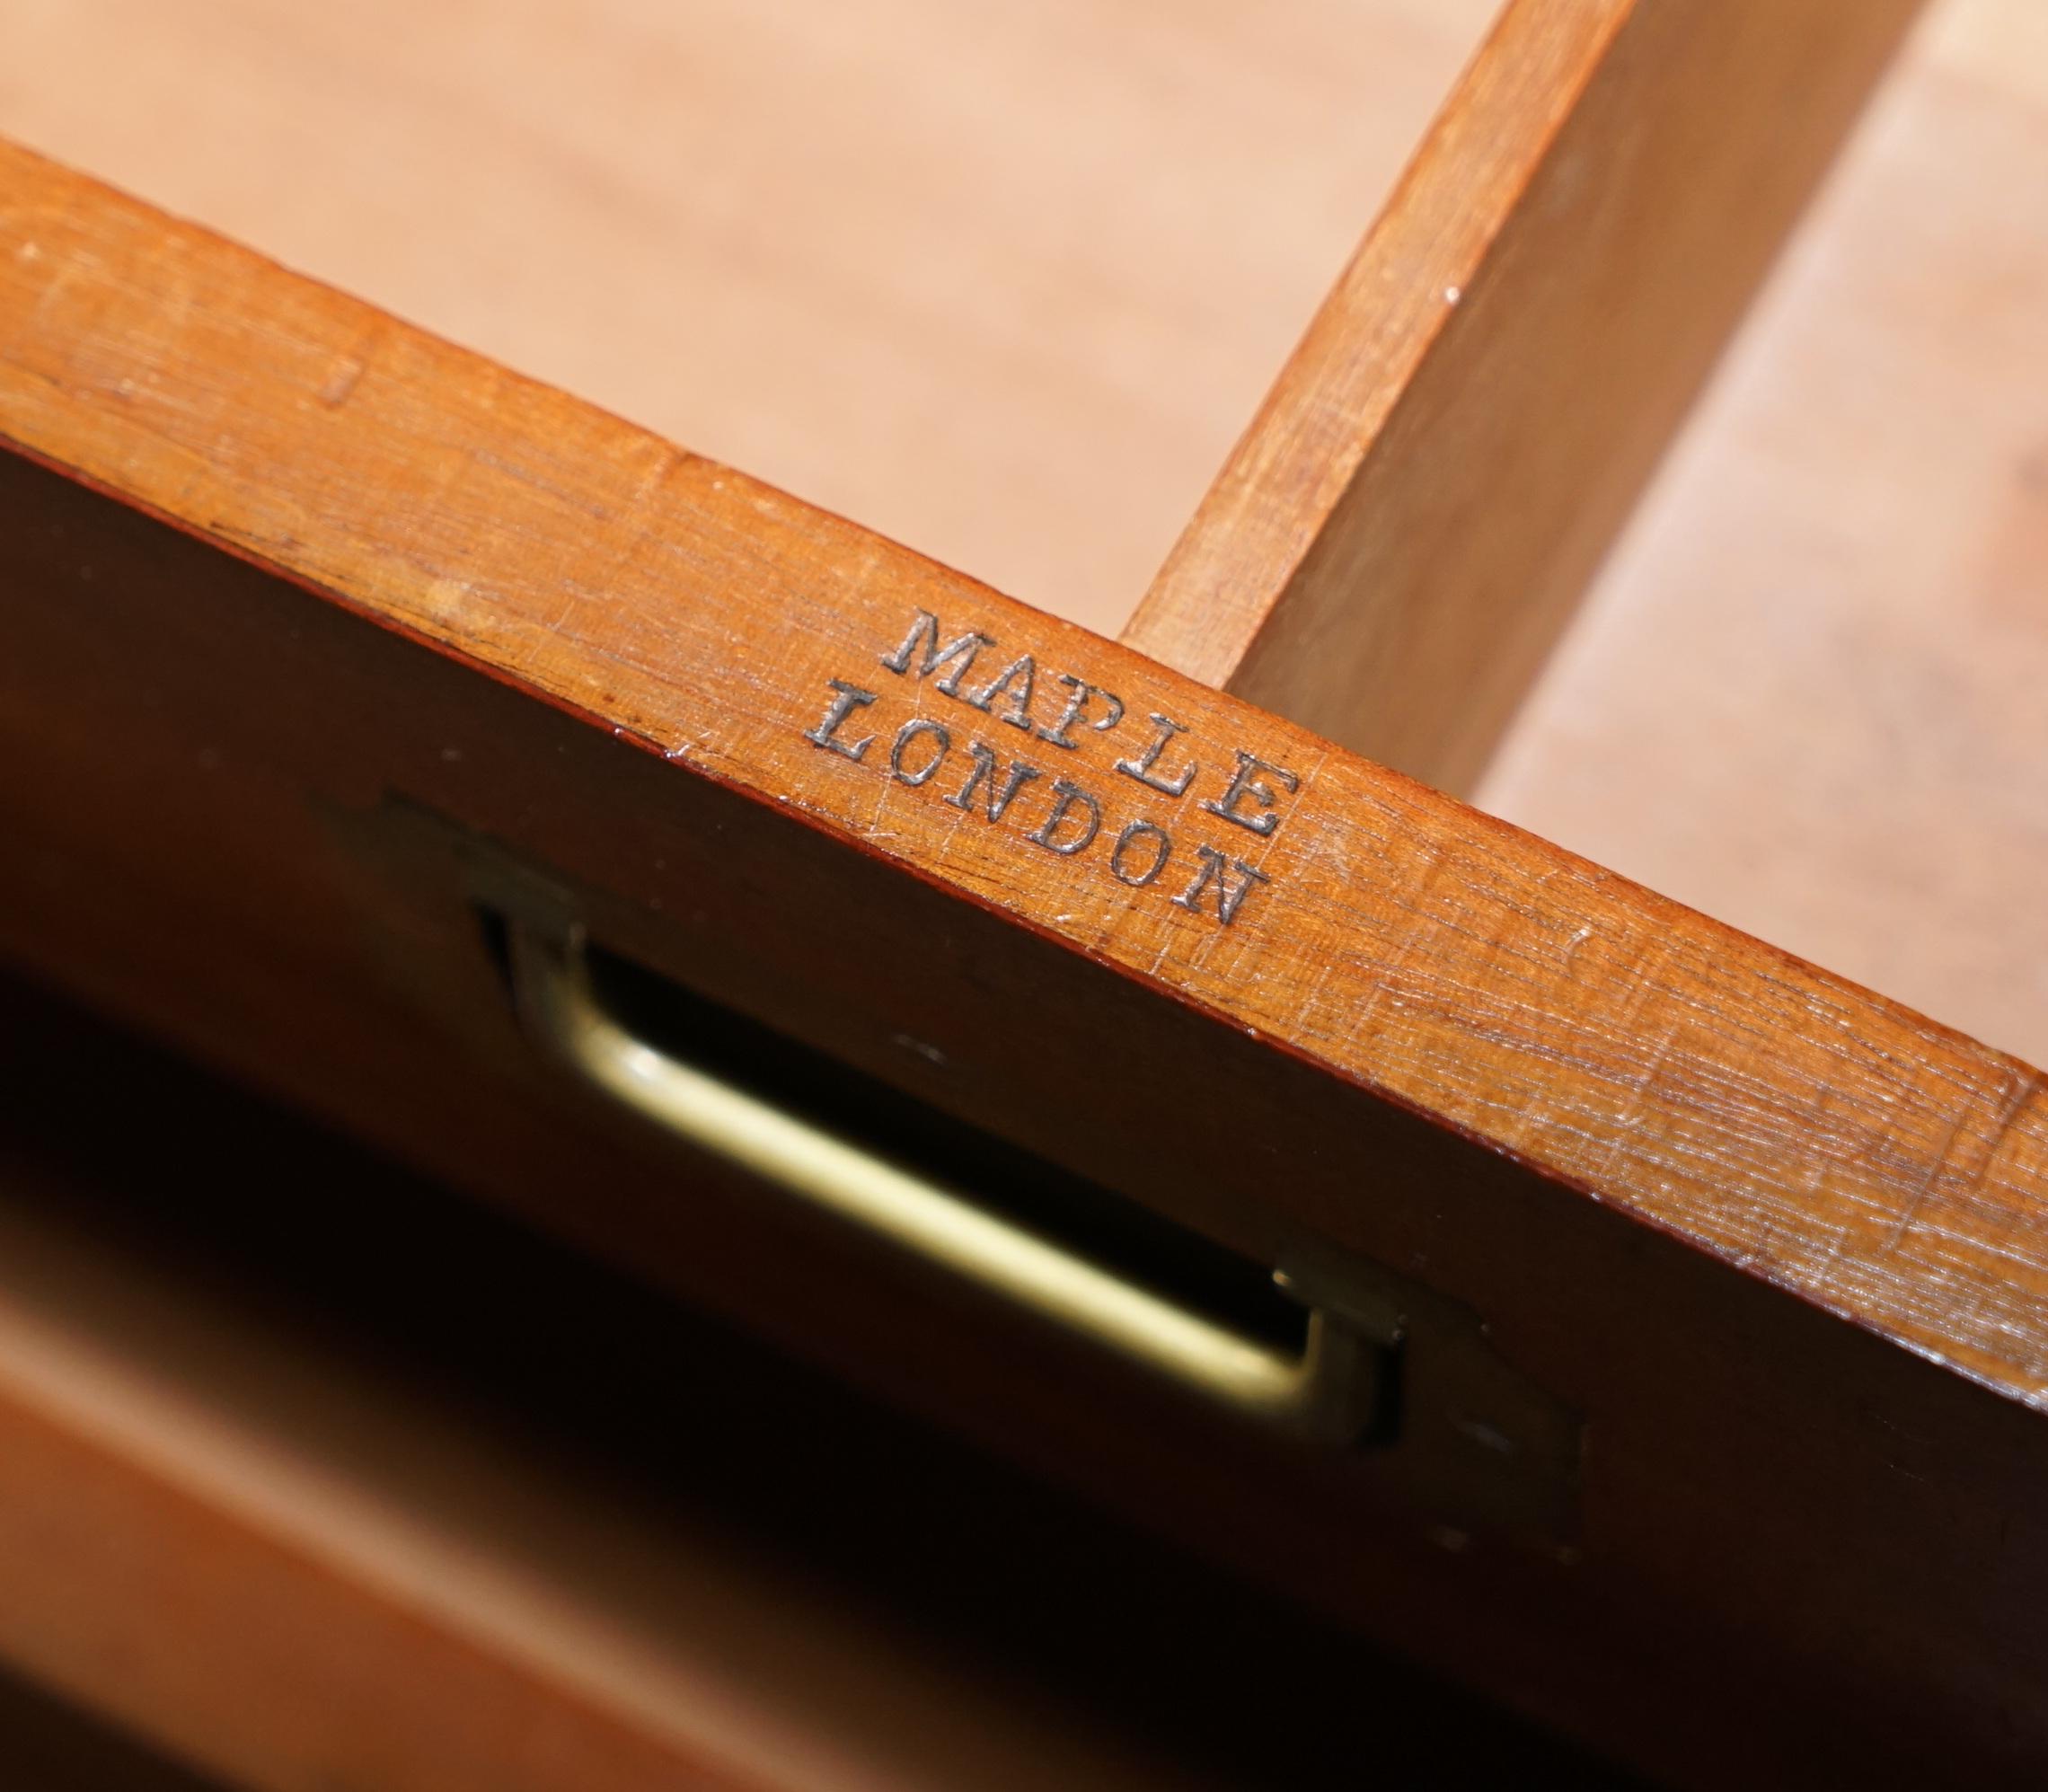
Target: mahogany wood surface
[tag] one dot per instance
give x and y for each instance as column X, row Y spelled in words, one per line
column 1401, row 533
column 286, row 577
column 1003, row 281
column 1806, row 696
column 1024, row 344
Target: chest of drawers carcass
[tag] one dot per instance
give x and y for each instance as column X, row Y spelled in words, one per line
column 1092, row 1045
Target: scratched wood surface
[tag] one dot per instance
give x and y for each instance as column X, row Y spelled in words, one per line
column 1118, row 337
column 651, row 582
column 223, row 909
column 1701, row 1191
column 1808, row 695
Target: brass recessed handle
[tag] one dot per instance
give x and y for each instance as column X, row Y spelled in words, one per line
column 1328, row 1390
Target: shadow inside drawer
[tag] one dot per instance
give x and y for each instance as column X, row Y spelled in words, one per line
column 584, row 1373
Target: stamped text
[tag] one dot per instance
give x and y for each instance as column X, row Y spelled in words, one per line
column 1101, row 807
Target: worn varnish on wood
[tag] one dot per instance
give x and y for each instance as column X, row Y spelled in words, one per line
column 284, row 576
column 945, row 346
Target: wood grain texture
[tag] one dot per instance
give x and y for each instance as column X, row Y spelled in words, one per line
column 1611, row 1039
column 1780, row 1241
column 1004, row 282
column 877, row 343
column 1806, row 697
column 1392, row 547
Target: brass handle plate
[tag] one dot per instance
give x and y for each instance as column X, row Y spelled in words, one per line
column 1328, row 1391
